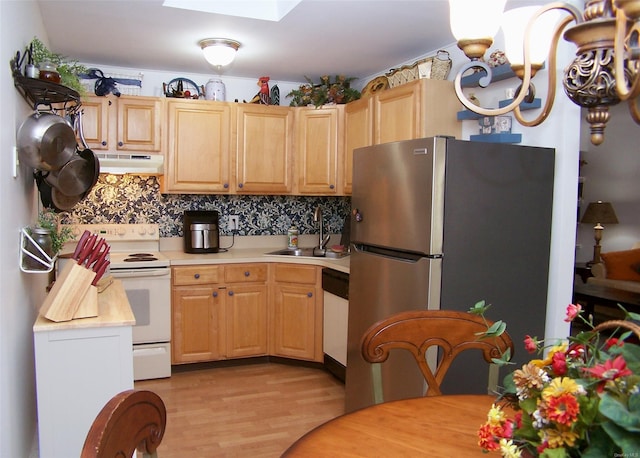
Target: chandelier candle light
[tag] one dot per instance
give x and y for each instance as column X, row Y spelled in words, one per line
column 606, row 69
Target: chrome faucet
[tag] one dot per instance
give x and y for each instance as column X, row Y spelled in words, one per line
column 322, row 240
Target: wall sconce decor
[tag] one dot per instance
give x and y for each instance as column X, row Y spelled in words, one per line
column 219, row 51
column 598, row 213
column 606, row 69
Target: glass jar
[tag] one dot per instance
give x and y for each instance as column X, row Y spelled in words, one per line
column 292, row 238
column 49, row 72
column 42, row 237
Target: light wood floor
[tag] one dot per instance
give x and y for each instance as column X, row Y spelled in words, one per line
column 254, row 410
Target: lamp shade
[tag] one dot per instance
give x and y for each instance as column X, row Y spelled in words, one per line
column 472, row 19
column 219, row 51
column 514, row 26
column 600, row 212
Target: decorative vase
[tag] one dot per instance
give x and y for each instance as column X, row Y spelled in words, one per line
column 215, row 90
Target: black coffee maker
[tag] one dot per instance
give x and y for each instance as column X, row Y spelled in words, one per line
column 201, row 231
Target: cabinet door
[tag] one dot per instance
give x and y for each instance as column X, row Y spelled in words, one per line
column 358, row 132
column 139, row 124
column 246, row 320
column 264, row 149
column 196, row 333
column 294, row 319
column 296, row 312
column 198, row 147
column 397, row 113
column 317, row 148
column 95, row 122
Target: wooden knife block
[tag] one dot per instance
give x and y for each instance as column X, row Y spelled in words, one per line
column 72, row 295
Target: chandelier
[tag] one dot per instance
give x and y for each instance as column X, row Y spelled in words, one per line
column 605, row 71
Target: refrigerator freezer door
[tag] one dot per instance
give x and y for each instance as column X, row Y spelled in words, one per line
column 398, row 195
column 378, row 287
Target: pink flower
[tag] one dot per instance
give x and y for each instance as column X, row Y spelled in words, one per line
column 612, row 341
column 530, row 344
column 559, row 363
column 610, row 370
column 573, row 310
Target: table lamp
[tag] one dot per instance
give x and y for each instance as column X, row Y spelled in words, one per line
column 598, row 213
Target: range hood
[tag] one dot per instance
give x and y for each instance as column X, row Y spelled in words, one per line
column 135, row 164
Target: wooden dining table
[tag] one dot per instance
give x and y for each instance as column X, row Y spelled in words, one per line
column 433, row 426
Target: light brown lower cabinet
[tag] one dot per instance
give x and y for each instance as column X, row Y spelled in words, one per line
column 296, row 312
column 245, row 310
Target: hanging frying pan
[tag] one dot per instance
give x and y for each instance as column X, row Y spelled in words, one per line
column 46, row 141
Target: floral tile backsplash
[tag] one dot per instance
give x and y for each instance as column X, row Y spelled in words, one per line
column 129, row 199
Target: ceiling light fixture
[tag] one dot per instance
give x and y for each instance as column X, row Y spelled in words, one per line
column 606, row 69
column 219, row 51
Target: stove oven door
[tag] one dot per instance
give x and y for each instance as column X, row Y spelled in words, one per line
column 149, row 293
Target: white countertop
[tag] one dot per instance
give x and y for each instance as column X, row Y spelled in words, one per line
column 248, row 249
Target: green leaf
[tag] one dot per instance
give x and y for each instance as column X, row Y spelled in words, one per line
column 554, row 453
column 627, row 441
column 496, row 329
column 618, row 413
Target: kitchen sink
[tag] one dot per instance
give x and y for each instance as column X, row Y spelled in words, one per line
column 308, row 252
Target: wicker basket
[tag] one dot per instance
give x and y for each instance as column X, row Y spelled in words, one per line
column 436, row 67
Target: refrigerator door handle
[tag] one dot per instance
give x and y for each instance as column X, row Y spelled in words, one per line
column 389, row 253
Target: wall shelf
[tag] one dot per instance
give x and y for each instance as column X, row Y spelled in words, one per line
column 499, row 73
column 39, row 92
column 465, row 115
column 497, row 138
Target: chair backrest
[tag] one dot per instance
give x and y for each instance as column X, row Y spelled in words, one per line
column 416, row 331
column 131, row 420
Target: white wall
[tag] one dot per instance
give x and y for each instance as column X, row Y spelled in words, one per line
column 21, row 293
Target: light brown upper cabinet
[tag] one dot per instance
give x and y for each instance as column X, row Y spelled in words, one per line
column 358, row 132
column 124, row 124
column 421, row 108
column 198, row 147
column 264, row 158
column 319, row 147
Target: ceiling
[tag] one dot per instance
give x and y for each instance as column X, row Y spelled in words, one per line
column 356, row 38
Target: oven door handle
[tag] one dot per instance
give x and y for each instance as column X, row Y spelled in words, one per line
column 140, row 273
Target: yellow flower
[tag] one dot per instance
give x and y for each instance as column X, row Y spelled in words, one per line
column 560, row 386
column 496, row 416
column 509, row 450
column 548, row 360
column 561, row 437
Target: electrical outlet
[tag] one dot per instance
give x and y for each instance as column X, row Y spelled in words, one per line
column 234, row 223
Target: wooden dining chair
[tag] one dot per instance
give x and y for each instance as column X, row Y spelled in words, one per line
column 417, row 331
column 131, row 420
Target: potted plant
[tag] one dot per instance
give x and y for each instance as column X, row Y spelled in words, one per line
column 326, row 92
column 69, row 70
column 581, row 399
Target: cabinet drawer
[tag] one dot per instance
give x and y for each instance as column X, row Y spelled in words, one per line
column 243, row 273
column 296, row 273
column 195, row 275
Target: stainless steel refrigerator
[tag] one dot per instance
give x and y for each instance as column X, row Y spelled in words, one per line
column 439, row 223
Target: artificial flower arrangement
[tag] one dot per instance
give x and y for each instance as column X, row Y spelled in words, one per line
column 581, row 400
column 338, row 91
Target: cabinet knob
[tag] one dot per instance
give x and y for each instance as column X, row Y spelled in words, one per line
column 240, row 185
column 103, row 143
column 215, row 294
column 225, row 186
column 309, row 294
column 196, row 276
column 120, row 143
column 331, row 186
column 230, row 293
column 247, row 273
column 110, row 103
